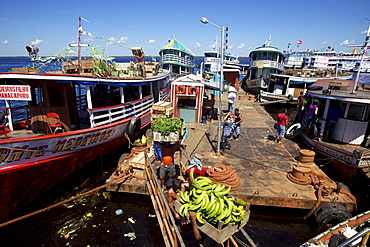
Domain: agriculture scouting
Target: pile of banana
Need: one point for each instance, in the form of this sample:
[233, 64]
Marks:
[211, 202]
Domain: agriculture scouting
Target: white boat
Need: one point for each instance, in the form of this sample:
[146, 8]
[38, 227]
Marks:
[290, 83]
[89, 109]
[352, 232]
[176, 58]
[264, 60]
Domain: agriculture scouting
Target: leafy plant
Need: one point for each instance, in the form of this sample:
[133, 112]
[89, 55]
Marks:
[166, 125]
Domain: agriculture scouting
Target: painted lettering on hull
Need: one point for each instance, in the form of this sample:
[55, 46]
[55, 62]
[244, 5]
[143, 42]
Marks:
[14, 154]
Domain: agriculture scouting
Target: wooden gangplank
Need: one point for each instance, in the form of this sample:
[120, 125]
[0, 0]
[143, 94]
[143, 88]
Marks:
[170, 232]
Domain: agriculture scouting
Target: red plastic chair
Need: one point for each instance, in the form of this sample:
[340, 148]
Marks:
[53, 121]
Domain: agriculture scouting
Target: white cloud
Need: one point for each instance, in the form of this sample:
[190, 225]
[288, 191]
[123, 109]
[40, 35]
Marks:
[230, 47]
[111, 40]
[323, 43]
[151, 41]
[249, 48]
[6, 42]
[197, 45]
[347, 42]
[37, 42]
[88, 40]
[122, 40]
[240, 46]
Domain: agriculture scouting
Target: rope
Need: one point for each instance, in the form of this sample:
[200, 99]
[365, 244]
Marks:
[222, 174]
[322, 189]
[61, 203]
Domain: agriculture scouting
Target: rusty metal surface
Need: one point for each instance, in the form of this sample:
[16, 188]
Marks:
[262, 164]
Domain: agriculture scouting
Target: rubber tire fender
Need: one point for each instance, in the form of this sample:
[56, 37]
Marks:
[331, 214]
[3, 119]
[293, 131]
[133, 127]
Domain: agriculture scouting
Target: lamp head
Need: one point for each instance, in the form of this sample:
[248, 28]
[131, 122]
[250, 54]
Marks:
[204, 20]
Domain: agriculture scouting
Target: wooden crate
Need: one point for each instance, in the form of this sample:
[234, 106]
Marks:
[161, 106]
[24, 70]
[219, 234]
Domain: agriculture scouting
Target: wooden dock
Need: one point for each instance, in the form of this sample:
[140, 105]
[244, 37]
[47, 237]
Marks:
[262, 164]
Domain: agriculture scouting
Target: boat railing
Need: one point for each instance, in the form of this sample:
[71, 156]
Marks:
[164, 95]
[107, 115]
[267, 63]
[363, 235]
[177, 59]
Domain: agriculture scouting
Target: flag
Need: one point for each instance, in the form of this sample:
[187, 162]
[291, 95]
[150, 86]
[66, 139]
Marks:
[289, 44]
[299, 42]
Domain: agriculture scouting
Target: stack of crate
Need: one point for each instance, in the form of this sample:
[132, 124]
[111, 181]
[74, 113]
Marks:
[151, 68]
[162, 109]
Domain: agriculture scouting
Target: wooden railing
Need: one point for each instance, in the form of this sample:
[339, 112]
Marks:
[107, 115]
[171, 234]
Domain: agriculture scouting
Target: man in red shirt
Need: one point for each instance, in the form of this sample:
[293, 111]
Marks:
[282, 120]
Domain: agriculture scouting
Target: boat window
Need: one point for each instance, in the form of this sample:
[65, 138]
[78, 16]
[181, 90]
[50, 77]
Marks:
[186, 102]
[343, 107]
[355, 112]
[37, 96]
[55, 96]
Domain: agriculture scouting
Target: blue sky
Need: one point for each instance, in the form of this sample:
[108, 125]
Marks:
[52, 25]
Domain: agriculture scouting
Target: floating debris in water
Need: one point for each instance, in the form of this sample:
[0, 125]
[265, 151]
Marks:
[152, 215]
[131, 220]
[119, 211]
[130, 235]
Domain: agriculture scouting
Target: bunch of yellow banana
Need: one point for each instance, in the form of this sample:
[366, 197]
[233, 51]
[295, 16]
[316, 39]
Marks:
[211, 202]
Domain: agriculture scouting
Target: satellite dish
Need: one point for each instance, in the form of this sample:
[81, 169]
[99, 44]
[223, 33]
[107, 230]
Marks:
[32, 51]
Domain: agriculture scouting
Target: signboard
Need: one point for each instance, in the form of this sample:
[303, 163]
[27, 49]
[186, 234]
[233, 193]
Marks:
[15, 92]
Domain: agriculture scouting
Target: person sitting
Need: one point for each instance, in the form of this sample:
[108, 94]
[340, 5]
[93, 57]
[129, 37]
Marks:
[196, 163]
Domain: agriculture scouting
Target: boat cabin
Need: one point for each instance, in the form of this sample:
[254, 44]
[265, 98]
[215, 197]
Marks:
[187, 98]
[344, 109]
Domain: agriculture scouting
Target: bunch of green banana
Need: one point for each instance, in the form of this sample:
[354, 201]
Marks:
[211, 202]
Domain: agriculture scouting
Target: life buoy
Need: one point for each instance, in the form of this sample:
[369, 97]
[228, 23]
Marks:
[331, 214]
[193, 91]
[293, 131]
[180, 89]
[133, 127]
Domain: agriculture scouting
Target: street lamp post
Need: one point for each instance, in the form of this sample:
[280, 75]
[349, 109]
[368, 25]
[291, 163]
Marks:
[205, 21]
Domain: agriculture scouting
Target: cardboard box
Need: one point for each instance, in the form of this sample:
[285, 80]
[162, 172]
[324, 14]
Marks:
[172, 137]
[135, 50]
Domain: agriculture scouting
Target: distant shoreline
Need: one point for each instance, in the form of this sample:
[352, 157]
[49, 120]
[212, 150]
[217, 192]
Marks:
[109, 56]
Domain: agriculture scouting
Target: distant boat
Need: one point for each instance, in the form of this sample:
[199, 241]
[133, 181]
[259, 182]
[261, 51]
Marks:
[90, 108]
[264, 60]
[176, 58]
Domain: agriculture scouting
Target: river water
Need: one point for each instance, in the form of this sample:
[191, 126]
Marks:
[92, 221]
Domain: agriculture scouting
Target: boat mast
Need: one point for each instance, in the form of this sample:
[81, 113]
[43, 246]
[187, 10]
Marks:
[364, 47]
[80, 31]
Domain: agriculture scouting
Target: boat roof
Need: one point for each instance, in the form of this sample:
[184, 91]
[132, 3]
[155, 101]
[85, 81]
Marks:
[342, 90]
[86, 80]
[267, 49]
[175, 44]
